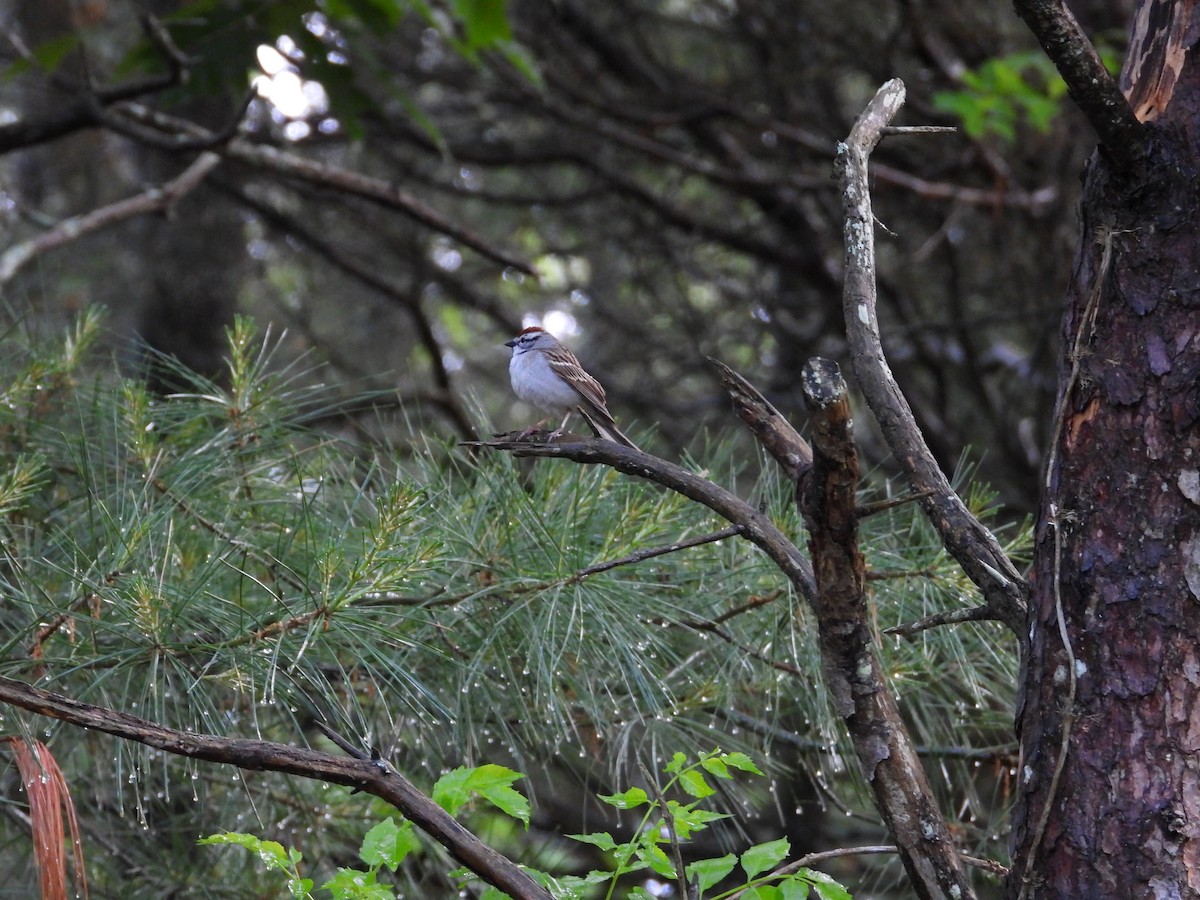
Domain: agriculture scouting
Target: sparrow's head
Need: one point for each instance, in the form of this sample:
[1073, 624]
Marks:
[533, 338]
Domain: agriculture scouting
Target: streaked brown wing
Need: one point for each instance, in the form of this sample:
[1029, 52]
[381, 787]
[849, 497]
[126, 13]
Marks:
[566, 366]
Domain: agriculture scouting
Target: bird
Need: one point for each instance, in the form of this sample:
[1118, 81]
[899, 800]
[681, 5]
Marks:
[547, 375]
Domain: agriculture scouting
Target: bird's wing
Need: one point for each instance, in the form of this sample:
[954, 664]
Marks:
[566, 366]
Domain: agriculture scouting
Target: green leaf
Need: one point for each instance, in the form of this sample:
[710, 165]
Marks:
[271, 853]
[762, 857]
[675, 766]
[826, 887]
[601, 839]
[695, 784]
[48, 55]
[714, 765]
[351, 884]
[388, 843]
[761, 892]
[707, 872]
[485, 22]
[687, 819]
[454, 789]
[656, 858]
[793, 888]
[630, 799]
[741, 762]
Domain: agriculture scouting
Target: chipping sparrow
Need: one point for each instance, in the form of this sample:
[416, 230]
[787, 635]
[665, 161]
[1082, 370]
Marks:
[547, 375]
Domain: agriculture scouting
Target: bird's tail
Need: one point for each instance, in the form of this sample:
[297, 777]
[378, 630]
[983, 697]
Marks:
[601, 422]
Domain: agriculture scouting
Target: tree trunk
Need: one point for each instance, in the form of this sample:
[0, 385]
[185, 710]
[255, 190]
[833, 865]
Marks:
[1109, 783]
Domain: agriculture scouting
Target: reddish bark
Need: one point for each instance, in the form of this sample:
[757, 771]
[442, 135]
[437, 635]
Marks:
[1109, 802]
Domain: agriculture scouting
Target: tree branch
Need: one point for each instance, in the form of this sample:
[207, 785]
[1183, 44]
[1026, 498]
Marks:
[965, 538]
[752, 524]
[156, 200]
[773, 431]
[284, 163]
[1095, 92]
[373, 776]
[853, 674]
[650, 552]
[949, 617]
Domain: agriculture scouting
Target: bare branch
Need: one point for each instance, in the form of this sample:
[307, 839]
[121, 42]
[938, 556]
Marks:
[156, 200]
[752, 524]
[1095, 92]
[967, 540]
[773, 431]
[853, 674]
[446, 398]
[86, 105]
[373, 776]
[950, 617]
[651, 552]
[291, 165]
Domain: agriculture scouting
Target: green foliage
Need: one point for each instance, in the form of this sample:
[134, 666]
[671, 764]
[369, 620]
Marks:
[207, 561]
[1004, 93]
[492, 782]
[220, 39]
[668, 821]
[387, 844]
[272, 855]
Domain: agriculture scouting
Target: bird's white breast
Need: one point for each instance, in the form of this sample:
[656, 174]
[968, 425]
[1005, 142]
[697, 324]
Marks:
[536, 383]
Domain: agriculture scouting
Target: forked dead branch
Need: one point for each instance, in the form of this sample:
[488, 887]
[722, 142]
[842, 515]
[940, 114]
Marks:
[826, 479]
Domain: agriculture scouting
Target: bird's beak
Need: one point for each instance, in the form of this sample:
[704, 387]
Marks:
[511, 343]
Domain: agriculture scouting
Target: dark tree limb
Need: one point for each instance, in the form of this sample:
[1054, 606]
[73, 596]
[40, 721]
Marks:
[773, 431]
[752, 524]
[172, 133]
[853, 674]
[373, 776]
[964, 536]
[1094, 90]
[84, 106]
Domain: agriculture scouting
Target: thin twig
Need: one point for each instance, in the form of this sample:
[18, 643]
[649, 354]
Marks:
[642, 555]
[919, 129]
[672, 837]
[292, 165]
[892, 574]
[723, 634]
[345, 744]
[878, 506]
[982, 613]
[754, 602]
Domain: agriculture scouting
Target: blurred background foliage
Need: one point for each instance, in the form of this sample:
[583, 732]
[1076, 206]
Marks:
[243, 527]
